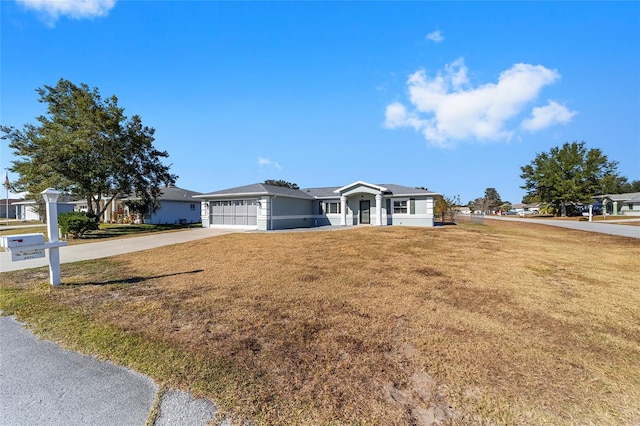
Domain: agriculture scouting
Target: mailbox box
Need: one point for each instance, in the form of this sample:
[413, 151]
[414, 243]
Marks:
[22, 241]
[24, 247]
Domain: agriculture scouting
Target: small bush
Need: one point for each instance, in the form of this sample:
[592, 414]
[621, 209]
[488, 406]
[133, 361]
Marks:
[76, 223]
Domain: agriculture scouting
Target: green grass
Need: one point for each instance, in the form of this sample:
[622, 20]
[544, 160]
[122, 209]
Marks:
[108, 230]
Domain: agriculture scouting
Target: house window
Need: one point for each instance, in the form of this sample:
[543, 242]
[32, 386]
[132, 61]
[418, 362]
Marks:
[332, 208]
[399, 206]
[412, 206]
[192, 206]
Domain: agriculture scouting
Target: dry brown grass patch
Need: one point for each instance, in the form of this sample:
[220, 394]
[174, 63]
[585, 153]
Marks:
[508, 323]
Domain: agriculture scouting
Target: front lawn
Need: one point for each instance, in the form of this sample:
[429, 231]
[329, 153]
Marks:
[508, 323]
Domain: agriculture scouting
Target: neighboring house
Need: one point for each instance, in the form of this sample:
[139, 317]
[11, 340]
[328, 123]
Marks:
[177, 205]
[110, 215]
[627, 204]
[26, 210]
[10, 212]
[523, 209]
[267, 207]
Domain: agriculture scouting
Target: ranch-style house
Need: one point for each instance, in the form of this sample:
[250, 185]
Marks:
[266, 207]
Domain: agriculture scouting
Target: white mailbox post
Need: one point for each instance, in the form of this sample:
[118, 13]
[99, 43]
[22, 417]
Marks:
[51, 200]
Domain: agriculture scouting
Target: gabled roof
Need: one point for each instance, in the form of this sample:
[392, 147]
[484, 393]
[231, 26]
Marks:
[399, 190]
[327, 192]
[173, 193]
[387, 189]
[525, 206]
[361, 183]
[170, 193]
[629, 196]
[255, 190]
[330, 192]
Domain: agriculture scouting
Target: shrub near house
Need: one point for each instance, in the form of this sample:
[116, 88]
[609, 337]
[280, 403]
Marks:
[76, 223]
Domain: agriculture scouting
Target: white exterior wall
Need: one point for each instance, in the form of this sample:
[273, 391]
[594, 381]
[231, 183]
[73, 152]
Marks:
[25, 212]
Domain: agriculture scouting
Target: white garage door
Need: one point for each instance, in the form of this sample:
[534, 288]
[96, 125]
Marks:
[234, 212]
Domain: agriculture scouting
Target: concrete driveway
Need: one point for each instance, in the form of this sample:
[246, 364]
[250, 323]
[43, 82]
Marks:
[113, 247]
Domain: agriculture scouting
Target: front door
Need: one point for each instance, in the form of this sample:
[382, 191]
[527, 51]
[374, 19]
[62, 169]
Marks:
[365, 217]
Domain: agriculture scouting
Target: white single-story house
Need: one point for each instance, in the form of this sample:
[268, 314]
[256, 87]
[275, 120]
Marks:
[27, 210]
[627, 204]
[523, 209]
[268, 207]
[176, 206]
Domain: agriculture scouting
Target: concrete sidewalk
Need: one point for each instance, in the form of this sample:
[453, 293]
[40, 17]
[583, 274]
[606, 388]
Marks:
[113, 247]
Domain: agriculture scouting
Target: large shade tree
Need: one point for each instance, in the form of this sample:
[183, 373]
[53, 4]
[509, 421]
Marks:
[568, 175]
[86, 146]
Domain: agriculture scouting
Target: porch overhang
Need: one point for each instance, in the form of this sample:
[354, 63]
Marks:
[360, 187]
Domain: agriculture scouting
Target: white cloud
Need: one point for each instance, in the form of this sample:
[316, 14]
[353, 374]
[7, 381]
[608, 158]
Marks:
[265, 162]
[76, 9]
[447, 108]
[435, 36]
[546, 116]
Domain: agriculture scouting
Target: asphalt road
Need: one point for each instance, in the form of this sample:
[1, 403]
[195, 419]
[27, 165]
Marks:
[42, 384]
[598, 227]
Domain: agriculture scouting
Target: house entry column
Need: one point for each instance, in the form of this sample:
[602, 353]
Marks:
[343, 210]
[379, 210]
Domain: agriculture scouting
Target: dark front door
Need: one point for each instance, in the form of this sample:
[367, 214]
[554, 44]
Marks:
[365, 217]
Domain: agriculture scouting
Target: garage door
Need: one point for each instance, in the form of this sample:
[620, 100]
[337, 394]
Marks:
[234, 212]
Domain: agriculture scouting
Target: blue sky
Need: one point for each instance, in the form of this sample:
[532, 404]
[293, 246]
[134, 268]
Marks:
[452, 96]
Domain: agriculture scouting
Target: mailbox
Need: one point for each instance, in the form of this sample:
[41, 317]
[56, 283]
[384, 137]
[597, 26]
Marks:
[22, 241]
[24, 247]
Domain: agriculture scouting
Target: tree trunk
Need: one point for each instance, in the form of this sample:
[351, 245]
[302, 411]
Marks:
[90, 209]
[563, 209]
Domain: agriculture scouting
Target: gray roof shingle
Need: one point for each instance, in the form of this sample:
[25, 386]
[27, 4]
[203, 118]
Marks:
[257, 189]
[173, 193]
[397, 190]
